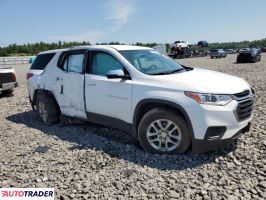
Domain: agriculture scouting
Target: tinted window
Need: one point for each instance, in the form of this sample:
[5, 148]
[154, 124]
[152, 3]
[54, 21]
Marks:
[74, 63]
[42, 60]
[102, 62]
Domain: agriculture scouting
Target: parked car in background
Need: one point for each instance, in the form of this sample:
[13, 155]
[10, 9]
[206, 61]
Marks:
[172, 54]
[249, 55]
[263, 49]
[218, 53]
[230, 51]
[8, 80]
[167, 107]
[243, 49]
[32, 58]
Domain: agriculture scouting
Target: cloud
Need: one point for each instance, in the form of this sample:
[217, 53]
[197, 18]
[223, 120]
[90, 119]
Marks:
[118, 12]
[91, 36]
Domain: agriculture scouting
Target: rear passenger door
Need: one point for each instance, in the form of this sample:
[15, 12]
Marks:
[70, 80]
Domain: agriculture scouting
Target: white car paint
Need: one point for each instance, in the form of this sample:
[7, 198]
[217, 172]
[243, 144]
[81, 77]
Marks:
[118, 98]
[182, 44]
[9, 85]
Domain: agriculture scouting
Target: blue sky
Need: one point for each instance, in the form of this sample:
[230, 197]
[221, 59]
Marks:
[130, 21]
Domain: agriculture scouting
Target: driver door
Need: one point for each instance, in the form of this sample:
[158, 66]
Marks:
[106, 97]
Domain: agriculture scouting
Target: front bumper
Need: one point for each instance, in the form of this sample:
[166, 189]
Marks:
[199, 146]
[8, 86]
[217, 126]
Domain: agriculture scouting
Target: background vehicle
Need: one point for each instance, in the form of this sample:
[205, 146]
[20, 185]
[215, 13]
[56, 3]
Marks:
[172, 54]
[164, 105]
[249, 55]
[181, 44]
[203, 43]
[32, 58]
[217, 53]
[7, 80]
[244, 49]
[263, 49]
[230, 51]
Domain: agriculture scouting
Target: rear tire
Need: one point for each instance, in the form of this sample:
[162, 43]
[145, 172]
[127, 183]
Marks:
[47, 109]
[162, 131]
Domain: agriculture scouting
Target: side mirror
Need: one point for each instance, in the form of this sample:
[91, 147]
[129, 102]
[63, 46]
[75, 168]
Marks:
[117, 73]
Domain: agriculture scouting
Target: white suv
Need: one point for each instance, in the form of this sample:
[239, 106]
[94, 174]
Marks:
[180, 44]
[164, 105]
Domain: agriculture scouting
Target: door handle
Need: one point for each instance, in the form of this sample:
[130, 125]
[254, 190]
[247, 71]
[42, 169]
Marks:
[91, 83]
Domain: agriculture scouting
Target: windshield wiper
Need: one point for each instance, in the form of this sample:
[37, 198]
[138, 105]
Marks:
[168, 72]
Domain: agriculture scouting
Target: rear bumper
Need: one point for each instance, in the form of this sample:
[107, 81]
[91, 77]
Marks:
[8, 86]
[199, 146]
[246, 59]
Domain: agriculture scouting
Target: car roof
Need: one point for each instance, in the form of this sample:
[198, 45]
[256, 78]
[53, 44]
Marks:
[100, 47]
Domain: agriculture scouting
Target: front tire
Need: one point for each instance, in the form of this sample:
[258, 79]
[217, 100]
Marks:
[162, 131]
[47, 109]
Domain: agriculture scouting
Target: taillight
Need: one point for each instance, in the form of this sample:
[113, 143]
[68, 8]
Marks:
[29, 75]
[14, 76]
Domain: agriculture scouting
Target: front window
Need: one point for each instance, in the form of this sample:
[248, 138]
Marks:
[102, 63]
[151, 62]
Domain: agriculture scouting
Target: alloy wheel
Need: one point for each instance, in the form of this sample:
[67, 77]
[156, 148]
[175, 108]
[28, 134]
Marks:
[163, 135]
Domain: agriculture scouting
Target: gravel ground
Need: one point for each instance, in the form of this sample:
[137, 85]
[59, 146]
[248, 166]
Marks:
[83, 161]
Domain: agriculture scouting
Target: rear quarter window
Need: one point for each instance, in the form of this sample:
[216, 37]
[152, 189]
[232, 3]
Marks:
[42, 60]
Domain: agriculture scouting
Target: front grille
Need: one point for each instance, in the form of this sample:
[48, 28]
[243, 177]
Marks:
[6, 78]
[242, 94]
[245, 105]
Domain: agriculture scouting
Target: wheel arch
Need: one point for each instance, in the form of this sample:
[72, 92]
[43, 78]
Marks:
[47, 92]
[147, 104]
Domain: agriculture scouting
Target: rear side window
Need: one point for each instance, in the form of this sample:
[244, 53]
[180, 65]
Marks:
[42, 60]
[74, 63]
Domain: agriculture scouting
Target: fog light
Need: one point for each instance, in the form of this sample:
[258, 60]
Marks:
[215, 133]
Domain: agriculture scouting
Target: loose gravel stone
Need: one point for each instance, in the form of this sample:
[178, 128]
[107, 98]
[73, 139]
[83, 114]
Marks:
[86, 161]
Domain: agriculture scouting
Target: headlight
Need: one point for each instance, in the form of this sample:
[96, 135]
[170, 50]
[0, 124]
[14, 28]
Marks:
[210, 99]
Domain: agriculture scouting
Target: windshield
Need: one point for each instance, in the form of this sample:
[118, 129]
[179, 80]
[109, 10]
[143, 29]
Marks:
[151, 62]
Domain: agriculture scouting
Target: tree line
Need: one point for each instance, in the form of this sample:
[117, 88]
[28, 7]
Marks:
[33, 49]
[236, 45]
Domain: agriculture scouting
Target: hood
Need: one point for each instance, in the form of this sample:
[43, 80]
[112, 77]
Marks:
[206, 81]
